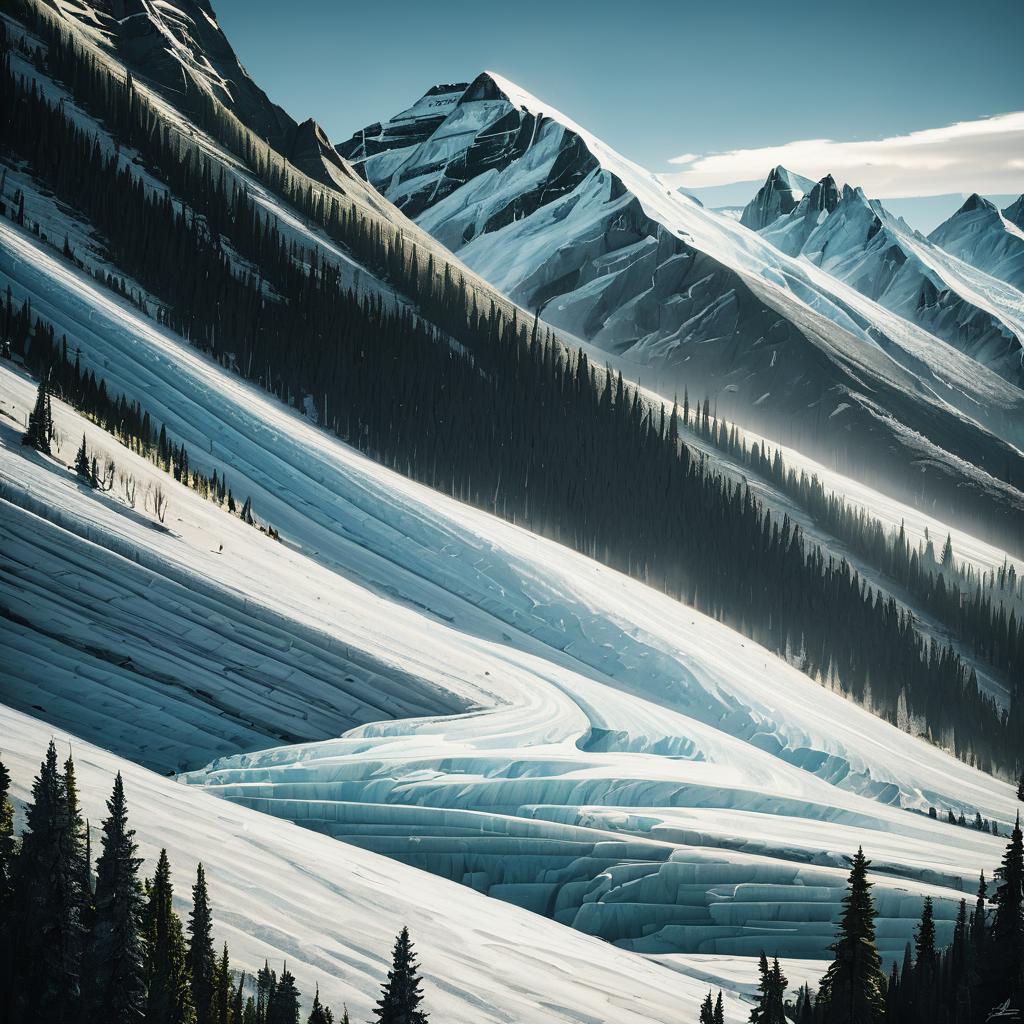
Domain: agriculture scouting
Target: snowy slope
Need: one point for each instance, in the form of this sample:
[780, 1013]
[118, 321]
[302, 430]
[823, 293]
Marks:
[558, 221]
[625, 764]
[332, 911]
[981, 234]
[859, 242]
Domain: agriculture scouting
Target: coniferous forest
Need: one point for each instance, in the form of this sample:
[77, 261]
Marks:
[483, 406]
[97, 941]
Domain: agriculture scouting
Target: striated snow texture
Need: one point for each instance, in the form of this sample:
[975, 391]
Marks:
[587, 747]
[331, 911]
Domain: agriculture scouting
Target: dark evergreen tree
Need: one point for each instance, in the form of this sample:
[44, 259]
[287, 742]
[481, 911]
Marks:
[707, 1010]
[266, 986]
[223, 988]
[202, 961]
[1003, 966]
[776, 1008]
[926, 965]
[760, 1012]
[169, 999]
[238, 1001]
[400, 995]
[719, 1009]
[1020, 787]
[48, 934]
[852, 991]
[283, 1007]
[804, 1010]
[319, 1014]
[40, 420]
[82, 465]
[115, 968]
[80, 845]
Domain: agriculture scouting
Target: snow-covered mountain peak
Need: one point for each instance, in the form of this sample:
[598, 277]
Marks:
[1014, 213]
[781, 194]
[987, 238]
[857, 240]
[976, 202]
[610, 253]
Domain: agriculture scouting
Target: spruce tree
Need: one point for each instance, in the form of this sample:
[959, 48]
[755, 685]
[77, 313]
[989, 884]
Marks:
[777, 1002]
[400, 995]
[40, 420]
[201, 958]
[283, 1007]
[79, 845]
[169, 999]
[852, 990]
[238, 1001]
[707, 1011]
[979, 920]
[319, 1014]
[223, 989]
[1003, 966]
[48, 934]
[266, 986]
[804, 1006]
[925, 965]
[82, 467]
[759, 1013]
[116, 983]
[719, 1017]
[1020, 787]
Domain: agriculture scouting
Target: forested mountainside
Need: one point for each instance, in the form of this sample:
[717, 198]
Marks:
[568, 676]
[507, 419]
[687, 298]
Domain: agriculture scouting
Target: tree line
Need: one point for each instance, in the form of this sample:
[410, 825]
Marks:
[981, 609]
[128, 422]
[105, 946]
[977, 979]
[483, 406]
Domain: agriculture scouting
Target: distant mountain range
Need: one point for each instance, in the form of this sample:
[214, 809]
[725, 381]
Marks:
[943, 283]
[608, 253]
[923, 213]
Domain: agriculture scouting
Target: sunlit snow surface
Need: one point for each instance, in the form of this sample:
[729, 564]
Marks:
[332, 911]
[587, 747]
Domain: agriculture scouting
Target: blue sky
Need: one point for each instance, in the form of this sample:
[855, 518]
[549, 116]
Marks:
[656, 80]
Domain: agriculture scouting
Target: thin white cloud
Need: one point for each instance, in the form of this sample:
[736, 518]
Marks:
[971, 156]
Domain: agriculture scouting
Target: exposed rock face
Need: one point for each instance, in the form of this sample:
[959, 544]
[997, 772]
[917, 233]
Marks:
[559, 222]
[162, 42]
[779, 195]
